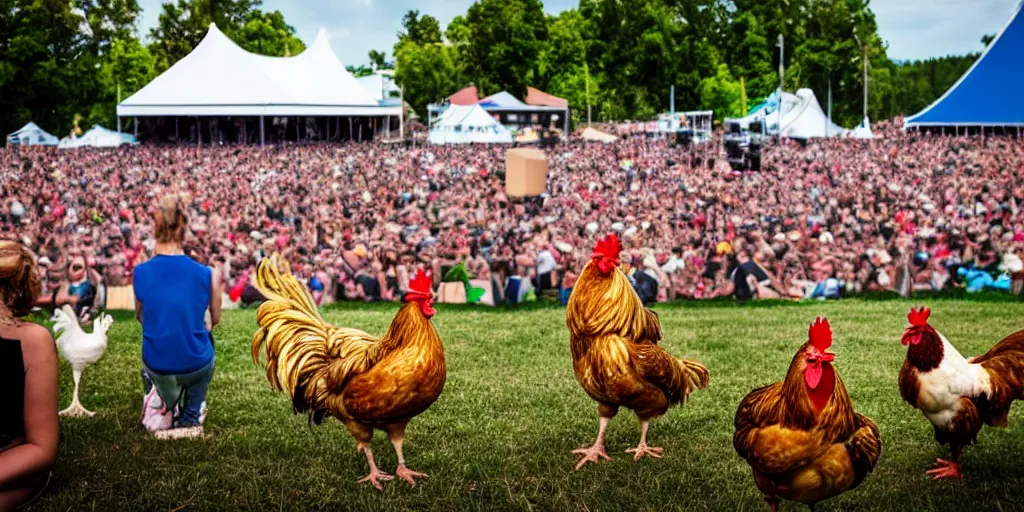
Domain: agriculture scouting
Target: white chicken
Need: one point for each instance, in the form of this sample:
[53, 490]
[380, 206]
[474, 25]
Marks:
[79, 348]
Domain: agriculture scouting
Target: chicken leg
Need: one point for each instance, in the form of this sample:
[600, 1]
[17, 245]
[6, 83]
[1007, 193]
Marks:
[596, 452]
[642, 448]
[376, 476]
[76, 410]
[397, 434]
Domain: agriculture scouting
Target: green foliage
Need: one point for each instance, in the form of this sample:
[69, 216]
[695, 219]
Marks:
[508, 37]
[183, 25]
[379, 60]
[427, 72]
[722, 93]
[266, 33]
[419, 29]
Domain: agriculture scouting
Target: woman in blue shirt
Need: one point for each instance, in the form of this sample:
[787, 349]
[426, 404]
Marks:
[172, 296]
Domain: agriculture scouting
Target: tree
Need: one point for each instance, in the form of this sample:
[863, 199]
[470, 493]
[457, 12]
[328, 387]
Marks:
[722, 93]
[128, 66]
[379, 60]
[987, 39]
[359, 71]
[458, 31]
[266, 33]
[508, 37]
[419, 29]
[427, 72]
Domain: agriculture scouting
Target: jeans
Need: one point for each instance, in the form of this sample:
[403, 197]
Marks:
[186, 389]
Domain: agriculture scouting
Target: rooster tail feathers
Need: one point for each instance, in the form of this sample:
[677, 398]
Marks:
[695, 376]
[305, 356]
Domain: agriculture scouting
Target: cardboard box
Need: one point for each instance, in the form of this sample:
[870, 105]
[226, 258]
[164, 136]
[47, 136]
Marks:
[526, 172]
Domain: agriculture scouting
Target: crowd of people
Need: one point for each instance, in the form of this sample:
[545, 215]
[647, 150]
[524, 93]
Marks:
[823, 219]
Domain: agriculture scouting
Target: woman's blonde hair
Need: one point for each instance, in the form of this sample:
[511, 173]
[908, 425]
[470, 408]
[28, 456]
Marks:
[171, 219]
[19, 278]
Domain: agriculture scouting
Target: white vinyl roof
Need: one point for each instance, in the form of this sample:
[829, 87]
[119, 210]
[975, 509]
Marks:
[807, 120]
[219, 78]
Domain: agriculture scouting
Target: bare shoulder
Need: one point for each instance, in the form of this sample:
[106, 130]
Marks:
[36, 343]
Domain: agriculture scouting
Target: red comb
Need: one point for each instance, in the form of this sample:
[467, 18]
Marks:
[820, 334]
[422, 283]
[608, 247]
[919, 316]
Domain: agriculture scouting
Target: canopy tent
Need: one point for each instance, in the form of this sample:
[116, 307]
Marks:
[468, 96]
[768, 111]
[32, 135]
[97, 137]
[988, 94]
[863, 130]
[807, 120]
[464, 124]
[591, 134]
[219, 78]
[539, 98]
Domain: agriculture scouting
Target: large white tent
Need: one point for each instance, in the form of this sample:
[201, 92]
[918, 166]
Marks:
[97, 137]
[806, 120]
[31, 135]
[219, 78]
[464, 124]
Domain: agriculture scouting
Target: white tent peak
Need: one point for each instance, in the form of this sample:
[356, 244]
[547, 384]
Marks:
[220, 78]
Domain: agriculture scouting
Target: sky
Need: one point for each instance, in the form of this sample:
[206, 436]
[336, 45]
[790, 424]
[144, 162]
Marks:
[914, 29]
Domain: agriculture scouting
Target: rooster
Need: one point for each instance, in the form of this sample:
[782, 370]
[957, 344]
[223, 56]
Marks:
[800, 436]
[615, 352]
[79, 348]
[367, 383]
[958, 395]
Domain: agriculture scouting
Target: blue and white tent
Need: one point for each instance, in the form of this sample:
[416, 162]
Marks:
[32, 135]
[988, 95]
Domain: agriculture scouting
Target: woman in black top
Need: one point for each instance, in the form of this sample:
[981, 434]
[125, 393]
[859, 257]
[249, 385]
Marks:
[28, 383]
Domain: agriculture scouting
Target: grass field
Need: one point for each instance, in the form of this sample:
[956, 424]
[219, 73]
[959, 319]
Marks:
[500, 436]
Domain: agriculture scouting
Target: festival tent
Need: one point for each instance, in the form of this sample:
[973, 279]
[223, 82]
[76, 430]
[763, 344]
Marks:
[97, 137]
[32, 135]
[863, 130]
[380, 86]
[464, 124]
[539, 98]
[590, 134]
[768, 111]
[807, 120]
[219, 78]
[467, 96]
[988, 94]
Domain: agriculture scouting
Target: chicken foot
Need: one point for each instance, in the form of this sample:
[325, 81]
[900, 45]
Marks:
[403, 471]
[948, 468]
[76, 409]
[596, 452]
[642, 448]
[376, 475]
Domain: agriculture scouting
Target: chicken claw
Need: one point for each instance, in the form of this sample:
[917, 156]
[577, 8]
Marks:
[642, 449]
[375, 477]
[75, 410]
[408, 475]
[946, 469]
[593, 454]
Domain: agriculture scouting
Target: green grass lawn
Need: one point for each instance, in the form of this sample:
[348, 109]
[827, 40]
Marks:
[500, 436]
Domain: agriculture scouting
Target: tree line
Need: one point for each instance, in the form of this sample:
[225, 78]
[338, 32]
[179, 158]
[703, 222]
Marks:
[61, 60]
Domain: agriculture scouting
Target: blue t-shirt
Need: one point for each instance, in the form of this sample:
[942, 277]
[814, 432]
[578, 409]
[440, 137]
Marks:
[175, 294]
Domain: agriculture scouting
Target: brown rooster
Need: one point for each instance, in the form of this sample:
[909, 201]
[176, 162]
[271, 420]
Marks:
[801, 436]
[959, 395]
[367, 383]
[615, 352]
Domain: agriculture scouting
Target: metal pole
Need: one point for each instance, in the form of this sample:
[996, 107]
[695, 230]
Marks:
[828, 125]
[135, 121]
[865, 82]
[115, 108]
[262, 136]
[672, 100]
[782, 82]
[177, 138]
